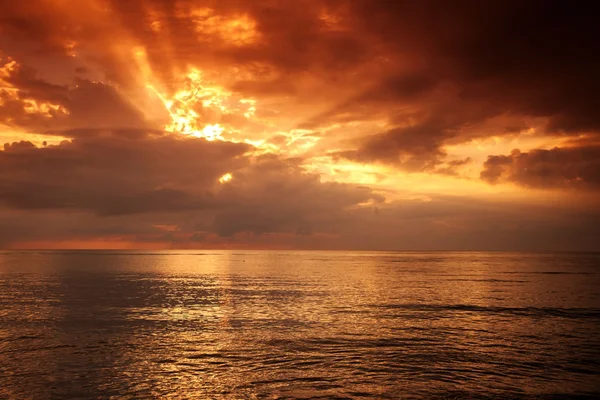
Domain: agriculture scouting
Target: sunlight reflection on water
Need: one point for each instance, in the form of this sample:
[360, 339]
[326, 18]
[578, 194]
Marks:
[298, 324]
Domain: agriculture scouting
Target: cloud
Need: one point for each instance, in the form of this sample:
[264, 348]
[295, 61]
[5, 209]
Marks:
[569, 167]
[541, 66]
[124, 173]
[273, 196]
[517, 61]
[114, 173]
[37, 105]
[284, 88]
[440, 222]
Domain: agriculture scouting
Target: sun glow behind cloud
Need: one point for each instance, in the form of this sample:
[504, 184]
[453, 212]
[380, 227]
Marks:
[289, 100]
[196, 108]
[30, 106]
[200, 107]
[225, 178]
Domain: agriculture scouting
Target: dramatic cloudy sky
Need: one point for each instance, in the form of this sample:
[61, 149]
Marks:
[342, 124]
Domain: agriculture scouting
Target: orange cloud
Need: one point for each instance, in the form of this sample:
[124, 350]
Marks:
[276, 122]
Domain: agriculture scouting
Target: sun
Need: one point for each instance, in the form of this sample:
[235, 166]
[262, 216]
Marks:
[196, 109]
[226, 178]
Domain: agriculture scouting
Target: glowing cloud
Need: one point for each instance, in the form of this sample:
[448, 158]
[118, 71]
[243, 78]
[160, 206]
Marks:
[197, 107]
[334, 118]
[28, 105]
[237, 30]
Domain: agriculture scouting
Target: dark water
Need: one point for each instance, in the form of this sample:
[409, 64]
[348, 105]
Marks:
[299, 325]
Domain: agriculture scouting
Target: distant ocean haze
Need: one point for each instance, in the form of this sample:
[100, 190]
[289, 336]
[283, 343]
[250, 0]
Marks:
[299, 324]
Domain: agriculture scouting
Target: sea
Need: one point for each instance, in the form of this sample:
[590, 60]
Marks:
[299, 325]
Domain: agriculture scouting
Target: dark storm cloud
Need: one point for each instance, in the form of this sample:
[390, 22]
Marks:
[81, 104]
[116, 173]
[476, 61]
[532, 57]
[275, 196]
[525, 59]
[123, 173]
[570, 167]
[418, 146]
[414, 148]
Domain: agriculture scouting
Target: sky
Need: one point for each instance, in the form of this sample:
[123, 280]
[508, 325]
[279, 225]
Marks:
[305, 124]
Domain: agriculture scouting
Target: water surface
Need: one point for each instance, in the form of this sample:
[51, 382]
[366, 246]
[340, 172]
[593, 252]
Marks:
[239, 324]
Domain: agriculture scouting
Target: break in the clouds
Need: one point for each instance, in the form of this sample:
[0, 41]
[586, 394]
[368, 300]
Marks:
[310, 123]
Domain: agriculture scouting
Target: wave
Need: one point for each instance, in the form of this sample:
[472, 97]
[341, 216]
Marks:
[522, 311]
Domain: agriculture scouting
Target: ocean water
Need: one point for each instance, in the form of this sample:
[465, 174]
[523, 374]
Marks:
[242, 324]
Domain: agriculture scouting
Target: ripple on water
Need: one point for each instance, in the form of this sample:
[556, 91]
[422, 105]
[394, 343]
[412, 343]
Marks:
[298, 325]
